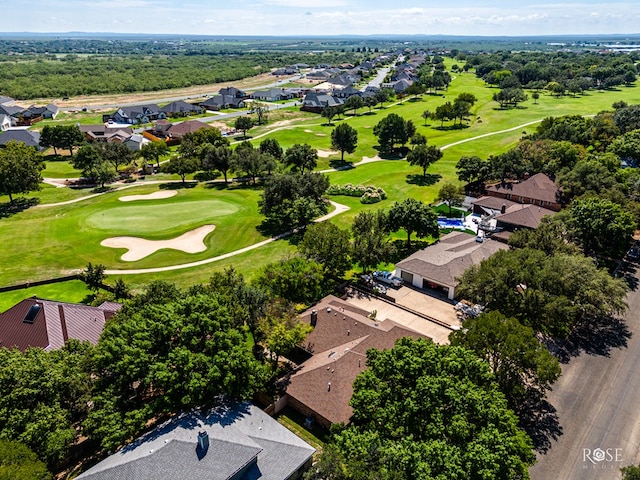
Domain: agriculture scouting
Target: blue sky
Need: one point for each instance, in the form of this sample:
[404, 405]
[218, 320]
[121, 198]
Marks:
[318, 17]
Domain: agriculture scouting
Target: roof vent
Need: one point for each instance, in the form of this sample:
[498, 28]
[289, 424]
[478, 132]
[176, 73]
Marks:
[203, 441]
[32, 313]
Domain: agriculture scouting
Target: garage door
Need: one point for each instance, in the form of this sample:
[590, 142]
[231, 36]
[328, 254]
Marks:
[407, 277]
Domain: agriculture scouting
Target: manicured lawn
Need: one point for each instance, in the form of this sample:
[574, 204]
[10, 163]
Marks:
[51, 241]
[60, 169]
[74, 291]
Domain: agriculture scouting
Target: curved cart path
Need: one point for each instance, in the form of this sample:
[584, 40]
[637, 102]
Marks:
[339, 208]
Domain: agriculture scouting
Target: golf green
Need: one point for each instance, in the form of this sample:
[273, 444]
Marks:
[142, 218]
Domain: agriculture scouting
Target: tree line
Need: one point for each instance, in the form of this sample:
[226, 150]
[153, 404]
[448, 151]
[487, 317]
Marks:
[50, 77]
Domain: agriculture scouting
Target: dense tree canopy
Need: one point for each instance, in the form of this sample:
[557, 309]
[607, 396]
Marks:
[412, 215]
[390, 131]
[428, 411]
[18, 462]
[549, 293]
[371, 239]
[20, 169]
[301, 157]
[294, 199]
[328, 245]
[165, 357]
[43, 395]
[296, 279]
[522, 366]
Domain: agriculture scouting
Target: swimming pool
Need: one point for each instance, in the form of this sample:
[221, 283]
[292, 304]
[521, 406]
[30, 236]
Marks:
[444, 222]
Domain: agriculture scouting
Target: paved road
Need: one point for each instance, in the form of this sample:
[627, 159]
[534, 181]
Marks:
[598, 404]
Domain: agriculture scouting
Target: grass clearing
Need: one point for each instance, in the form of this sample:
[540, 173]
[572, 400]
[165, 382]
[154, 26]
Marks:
[73, 291]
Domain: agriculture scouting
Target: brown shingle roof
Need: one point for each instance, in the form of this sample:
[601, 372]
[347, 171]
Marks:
[190, 126]
[524, 215]
[539, 187]
[494, 203]
[339, 341]
[54, 324]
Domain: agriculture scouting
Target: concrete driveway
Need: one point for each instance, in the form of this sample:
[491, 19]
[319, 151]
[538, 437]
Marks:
[438, 333]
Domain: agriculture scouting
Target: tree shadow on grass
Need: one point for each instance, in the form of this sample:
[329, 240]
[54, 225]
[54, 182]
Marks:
[446, 128]
[341, 165]
[423, 180]
[177, 185]
[596, 336]
[9, 209]
[401, 251]
[206, 176]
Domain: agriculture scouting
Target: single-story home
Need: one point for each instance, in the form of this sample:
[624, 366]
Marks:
[232, 442]
[538, 189]
[272, 95]
[519, 216]
[322, 386]
[182, 109]
[348, 92]
[28, 137]
[138, 114]
[233, 92]
[105, 133]
[48, 324]
[48, 111]
[315, 102]
[441, 264]
[220, 102]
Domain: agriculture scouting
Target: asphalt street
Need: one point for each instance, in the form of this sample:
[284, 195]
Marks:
[598, 405]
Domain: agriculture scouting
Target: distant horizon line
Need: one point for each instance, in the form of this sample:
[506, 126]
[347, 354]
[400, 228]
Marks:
[341, 35]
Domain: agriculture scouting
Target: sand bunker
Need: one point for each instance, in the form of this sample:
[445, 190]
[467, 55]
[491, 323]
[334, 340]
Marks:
[160, 194]
[308, 131]
[321, 134]
[327, 153]
[138, 248]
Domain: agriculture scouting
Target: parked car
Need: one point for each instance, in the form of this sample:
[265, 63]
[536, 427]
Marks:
[388, 278]
[634, 253]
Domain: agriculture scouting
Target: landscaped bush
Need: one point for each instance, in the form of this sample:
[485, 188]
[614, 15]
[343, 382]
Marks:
[367, 193]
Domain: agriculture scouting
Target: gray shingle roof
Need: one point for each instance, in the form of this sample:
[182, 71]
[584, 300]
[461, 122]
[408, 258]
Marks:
[28, 137]
[238, 434]
[446, 260]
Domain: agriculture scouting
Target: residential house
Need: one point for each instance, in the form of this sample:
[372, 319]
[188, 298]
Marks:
[316, 102]
[105, 133]
[233, 92]
[538, 189]
[440, 265]
[6, 100]
[220, 102]
[231, 442]
[180, 108]
[321, 75]
[138, 114]
[272, 95]
[48, 111]
[48, 324]
[348, 92]
[135, 142]
[172, 133]
[5, 122]
[322, 386]
[28, 137]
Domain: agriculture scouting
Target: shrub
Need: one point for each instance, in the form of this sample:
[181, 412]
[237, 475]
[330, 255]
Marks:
[367, 193]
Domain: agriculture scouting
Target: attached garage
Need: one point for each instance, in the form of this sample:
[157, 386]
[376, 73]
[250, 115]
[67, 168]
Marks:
[441, 264]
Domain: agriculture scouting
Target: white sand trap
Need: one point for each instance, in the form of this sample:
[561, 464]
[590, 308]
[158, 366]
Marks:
[308, 131]
[159, 195]
[138, 248]
[321, 134]
[327, 153]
